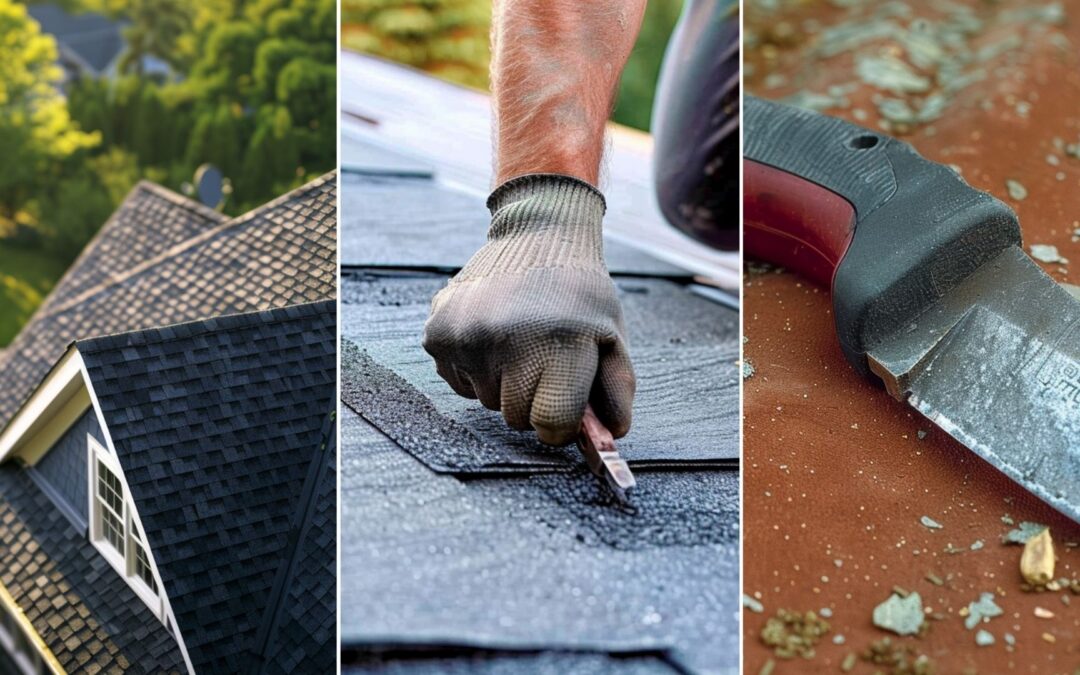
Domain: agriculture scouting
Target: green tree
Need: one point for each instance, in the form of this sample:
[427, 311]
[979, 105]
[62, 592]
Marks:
[36, 133]
[448, 38]
[155, 29]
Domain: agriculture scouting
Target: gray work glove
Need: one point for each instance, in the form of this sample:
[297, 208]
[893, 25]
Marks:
[531, 325]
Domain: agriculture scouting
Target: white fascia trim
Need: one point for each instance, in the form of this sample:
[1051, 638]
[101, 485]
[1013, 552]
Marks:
[111, 451]
[58, 381]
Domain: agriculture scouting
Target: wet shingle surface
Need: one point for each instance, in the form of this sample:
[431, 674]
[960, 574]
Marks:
[541, 563]
[684, 350]
[132, 277]
[217, 425]
[88, 616]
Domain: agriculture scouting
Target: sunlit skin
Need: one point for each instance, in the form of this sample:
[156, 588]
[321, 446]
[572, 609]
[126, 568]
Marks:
[555, 72]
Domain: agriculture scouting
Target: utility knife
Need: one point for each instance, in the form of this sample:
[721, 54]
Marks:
[598, 447]
[932, 292]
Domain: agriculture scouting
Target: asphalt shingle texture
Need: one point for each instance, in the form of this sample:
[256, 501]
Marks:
[543, 562]
[197, 266]
[216, 424]
[87, 615]
[684, 350]
[306, 636]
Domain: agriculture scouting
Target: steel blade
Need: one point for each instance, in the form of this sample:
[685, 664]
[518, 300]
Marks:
[996, 364]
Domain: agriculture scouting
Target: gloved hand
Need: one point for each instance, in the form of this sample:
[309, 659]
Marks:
[531, 325]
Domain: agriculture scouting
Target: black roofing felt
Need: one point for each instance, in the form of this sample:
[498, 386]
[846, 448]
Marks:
[420, 223]
[283, 253]
[217, 425]
[507, 663]
[88, 616]
[545, 563]
[684, 350]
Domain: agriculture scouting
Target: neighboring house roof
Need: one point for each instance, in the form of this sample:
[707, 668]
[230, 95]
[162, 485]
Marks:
[88, 616]
[92, 40]
[199, 265]
[220, 427]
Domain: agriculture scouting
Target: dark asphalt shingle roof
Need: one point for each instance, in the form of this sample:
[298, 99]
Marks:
[544, 562]
[87, 615]
[469, 547]
[198, 265]
[217, 425]
[684, 349]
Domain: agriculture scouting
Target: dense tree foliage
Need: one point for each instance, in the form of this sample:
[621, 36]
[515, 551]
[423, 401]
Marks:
[254, 94]
[251, 88]
[37, 136]
[449, 38]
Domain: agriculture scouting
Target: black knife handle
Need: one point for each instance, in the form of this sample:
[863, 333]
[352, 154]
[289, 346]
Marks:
[916, 231]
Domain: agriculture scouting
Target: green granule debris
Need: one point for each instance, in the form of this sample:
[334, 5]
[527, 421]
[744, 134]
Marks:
[901, 615]
[747, 369]
[752, 604]
[791, 634]
[930, 523]
[934, 579]
[768, 668]
[1047, 253]
[849, 662]
[899, 659]
[984, 607]
[1026, 531]
[1016, 190]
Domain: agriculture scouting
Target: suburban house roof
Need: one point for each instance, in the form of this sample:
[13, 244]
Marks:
[198, 265]
[221, 428]
[87, 615]
[213, 378]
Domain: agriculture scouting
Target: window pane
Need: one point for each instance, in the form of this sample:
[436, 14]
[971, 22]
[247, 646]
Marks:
[112, 529]
[142, 566]
[109, 489]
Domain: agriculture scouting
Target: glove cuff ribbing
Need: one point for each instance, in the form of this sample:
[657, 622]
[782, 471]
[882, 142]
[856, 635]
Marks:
[555, 186]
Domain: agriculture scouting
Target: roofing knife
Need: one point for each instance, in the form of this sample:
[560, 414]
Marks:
[932, 291]
[598, 446]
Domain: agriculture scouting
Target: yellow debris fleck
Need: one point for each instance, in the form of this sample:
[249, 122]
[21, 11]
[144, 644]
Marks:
[1037, 561]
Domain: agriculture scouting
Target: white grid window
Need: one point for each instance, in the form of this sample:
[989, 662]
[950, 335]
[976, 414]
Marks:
[110, 495]
[113, 529]
[141, 561]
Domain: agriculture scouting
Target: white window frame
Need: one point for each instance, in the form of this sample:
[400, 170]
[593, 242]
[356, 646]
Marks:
[123, 562]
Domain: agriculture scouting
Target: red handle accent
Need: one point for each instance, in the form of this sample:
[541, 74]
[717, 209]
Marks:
[792, 222]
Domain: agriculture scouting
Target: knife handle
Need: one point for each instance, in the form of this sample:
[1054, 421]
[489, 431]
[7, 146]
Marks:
[888, 230]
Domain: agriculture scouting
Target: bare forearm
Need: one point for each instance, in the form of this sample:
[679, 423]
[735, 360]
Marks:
[556, 69]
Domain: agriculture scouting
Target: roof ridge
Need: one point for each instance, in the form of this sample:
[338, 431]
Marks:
[211, 324]
[180, 200]
[202, 237]
[142, 185]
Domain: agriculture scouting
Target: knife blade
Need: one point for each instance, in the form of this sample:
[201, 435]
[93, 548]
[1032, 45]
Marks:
[598, 446]
[932, 291]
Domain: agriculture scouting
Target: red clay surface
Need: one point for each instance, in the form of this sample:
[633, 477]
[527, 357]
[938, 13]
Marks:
[836, 476]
